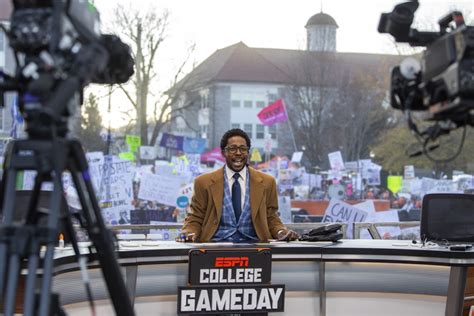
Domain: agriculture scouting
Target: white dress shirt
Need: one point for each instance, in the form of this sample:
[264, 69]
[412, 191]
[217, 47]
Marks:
[242, 180]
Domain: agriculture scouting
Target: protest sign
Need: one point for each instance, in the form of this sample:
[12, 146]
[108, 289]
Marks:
[172, 141]
[338, 211]
[161, 188]
[163, 167]
[194, 145]
[130, 156]
[95, 157]
[373, 174]
[284, 208]
[409, 172]
[311, 180]
[301, 192]
[296, 157]
[147, 152]
[438, 186]
[394, 183]
[335, 160]
[351, 166]
[116, 191]
[28, 181]
[133, 142]
[256, 157]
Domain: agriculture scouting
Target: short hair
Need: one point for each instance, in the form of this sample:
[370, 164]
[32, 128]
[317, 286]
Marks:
[234, 132]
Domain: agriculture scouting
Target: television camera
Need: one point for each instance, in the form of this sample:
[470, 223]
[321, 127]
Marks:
[441, 85]
[58, 50]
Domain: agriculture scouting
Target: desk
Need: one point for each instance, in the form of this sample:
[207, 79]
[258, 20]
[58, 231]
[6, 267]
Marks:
[314, 274]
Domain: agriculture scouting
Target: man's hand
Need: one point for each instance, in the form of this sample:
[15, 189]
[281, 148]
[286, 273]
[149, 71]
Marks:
[287, 235]
[186, 237]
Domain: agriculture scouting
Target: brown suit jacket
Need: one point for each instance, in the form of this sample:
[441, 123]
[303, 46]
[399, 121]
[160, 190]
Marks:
[206, 205]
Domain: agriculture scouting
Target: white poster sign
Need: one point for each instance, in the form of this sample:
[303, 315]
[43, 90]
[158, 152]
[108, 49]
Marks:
[284, 208]
[161, 188]
[365, 165]
[29, 181]
[438, 186]
[338, 211]
[297, 155]
[116, 195]
[335, 160]
[409, 172]
[373, 174]
[147, 152]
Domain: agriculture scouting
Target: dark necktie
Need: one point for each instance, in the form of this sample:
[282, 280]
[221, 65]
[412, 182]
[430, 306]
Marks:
[236, 197]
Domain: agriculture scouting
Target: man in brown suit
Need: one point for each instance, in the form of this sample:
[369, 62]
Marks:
[235, 203]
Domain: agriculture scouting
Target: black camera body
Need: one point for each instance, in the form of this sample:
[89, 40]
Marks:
[442, 83]
[59, 49]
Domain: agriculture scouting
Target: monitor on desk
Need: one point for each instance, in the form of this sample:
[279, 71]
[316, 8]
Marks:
[447, 217]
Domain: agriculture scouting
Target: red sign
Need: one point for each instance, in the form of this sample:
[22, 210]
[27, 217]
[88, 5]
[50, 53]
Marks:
[226, 262]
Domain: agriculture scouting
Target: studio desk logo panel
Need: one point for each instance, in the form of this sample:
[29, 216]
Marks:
[230, 281]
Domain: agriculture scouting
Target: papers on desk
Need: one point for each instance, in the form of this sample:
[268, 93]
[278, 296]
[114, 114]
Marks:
[215, 244]
[136, 244]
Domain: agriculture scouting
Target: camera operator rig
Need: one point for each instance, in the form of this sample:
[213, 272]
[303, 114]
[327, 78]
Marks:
[441, 84]
[58, 50]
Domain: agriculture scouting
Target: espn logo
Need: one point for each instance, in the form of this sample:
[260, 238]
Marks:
[228, 262]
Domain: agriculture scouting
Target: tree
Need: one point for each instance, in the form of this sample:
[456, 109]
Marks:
[145, 31]
[358, 115]
[334, 105]
[308, 103]
[91, 125]
[393, 148]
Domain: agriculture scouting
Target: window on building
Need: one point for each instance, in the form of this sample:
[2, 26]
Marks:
[260, 132]
[236, 103]
[235, 125]
[247, 104]
[248, 129]
[272, 130]
[260, 104]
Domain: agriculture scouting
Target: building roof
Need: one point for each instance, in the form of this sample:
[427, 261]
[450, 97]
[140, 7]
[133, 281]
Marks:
[321, 19]
[240, 63]
[5, 10]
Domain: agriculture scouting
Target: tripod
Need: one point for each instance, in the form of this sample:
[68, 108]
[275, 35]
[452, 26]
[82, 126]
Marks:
[24, 240]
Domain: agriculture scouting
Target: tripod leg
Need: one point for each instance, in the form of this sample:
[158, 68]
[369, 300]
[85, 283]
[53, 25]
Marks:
[53, 221]
[30, 286]
[8, 192]
[33, 258]
[99, 234]
[14, 271]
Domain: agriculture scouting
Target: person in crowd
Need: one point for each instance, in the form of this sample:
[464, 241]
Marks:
[234, 203]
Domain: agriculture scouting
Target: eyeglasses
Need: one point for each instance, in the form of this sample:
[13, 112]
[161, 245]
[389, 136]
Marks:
[233, 149]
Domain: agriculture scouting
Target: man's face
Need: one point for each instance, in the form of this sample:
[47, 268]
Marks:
[236, 153]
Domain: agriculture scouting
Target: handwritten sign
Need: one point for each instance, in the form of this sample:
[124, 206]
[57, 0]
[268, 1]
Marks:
[133, 142]
[338, 211]
[335, 160]
[161, 188]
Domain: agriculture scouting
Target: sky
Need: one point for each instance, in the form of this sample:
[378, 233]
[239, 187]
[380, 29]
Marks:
[215, 24]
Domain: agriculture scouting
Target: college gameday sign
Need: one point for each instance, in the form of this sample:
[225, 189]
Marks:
[230, 281]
